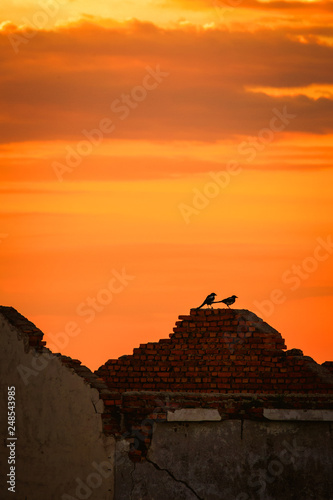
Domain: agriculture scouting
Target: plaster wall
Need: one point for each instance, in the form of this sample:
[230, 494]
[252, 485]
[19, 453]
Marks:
[231, 460]
[61, 452]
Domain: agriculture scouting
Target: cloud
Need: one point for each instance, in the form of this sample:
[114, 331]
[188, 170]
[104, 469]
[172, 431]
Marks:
[314, 291]
[295, 6]
[66, 80]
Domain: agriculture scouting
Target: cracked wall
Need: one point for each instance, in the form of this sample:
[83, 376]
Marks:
[81, 437]
[230, 460]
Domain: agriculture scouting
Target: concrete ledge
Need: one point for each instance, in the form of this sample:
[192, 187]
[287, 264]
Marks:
[193, 415]
[306, 415]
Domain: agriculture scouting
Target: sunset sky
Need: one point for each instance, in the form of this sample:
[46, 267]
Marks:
[153, 152]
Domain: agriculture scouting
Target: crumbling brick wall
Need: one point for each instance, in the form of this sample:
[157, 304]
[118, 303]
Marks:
[221, 350]
[221, 373]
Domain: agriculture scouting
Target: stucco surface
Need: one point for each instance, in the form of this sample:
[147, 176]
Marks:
[60, 446]
[232, 460]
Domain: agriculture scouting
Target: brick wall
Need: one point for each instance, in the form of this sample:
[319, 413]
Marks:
[328, 365]
[32, 338]
[27, 331]
[229, 360]
[220, 350]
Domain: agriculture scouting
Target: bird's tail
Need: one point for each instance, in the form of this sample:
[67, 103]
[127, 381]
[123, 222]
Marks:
[204, 302]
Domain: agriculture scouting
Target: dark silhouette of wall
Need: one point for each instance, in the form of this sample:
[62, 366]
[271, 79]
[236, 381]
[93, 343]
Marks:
[220, 410]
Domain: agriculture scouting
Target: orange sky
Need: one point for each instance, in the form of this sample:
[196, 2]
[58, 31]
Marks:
[154, 152]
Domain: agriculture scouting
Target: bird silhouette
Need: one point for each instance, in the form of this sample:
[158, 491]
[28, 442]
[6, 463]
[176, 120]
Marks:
[229, 300]
[208, 301]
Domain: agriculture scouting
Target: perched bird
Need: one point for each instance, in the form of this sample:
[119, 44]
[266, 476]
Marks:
[208, 300]
[229, 300]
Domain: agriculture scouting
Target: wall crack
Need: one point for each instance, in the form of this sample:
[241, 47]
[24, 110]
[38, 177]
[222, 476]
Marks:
[132, 480]
[174, 478]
